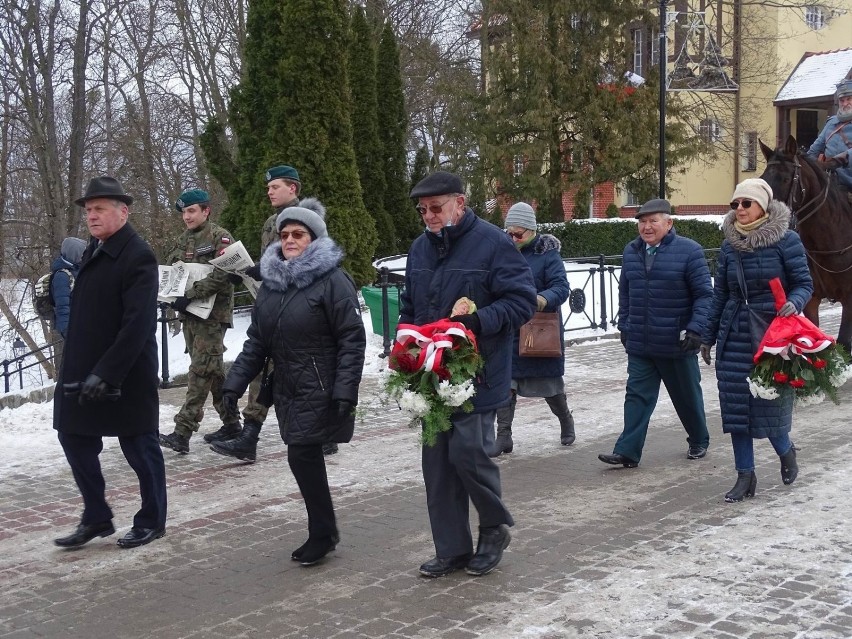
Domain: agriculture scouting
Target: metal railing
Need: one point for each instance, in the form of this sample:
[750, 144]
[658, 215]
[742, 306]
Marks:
[16, 366]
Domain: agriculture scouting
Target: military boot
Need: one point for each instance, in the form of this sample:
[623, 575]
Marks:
[243, 447]
[329, 448]
[177, 442]
[225, 432]
[505, 417]
[559, 406]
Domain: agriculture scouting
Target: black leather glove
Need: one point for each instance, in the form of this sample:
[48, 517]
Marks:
[229, 400]
[234, 278]
[471, 322]
[94, 390]
[342, 409]
[705, 353]
[623, 337]
[180, 304]
[254, 273]
[691, 342]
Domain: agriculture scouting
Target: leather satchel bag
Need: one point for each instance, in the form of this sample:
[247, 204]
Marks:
[540, 337]
[264, 394]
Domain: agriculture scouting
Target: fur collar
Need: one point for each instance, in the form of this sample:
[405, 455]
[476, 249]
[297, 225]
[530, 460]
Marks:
[768, 234]
[321, 257]
[547, 243]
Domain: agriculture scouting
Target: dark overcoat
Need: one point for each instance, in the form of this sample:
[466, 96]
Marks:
[767, 252]
[111, 334]
[472, 259]
[307, 319]
[548, 271]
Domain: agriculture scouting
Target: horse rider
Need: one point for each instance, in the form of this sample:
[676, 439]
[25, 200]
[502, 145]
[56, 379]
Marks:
[833, 145]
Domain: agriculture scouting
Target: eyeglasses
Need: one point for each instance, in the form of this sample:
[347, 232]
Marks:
[434, 209]
[518, 235]
[745, 203]
[297, 235]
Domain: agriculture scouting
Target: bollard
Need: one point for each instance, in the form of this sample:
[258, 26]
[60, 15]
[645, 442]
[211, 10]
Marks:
[164, 345]
[383, 284]
[602, 271]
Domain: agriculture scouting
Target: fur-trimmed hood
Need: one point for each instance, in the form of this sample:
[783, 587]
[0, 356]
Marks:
[546, 243]
[319, 258]
[767, 234]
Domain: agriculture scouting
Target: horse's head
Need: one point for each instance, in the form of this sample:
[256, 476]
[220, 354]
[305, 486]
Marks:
[782, 170]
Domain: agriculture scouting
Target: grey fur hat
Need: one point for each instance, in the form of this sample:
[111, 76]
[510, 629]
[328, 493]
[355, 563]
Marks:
[310, 213]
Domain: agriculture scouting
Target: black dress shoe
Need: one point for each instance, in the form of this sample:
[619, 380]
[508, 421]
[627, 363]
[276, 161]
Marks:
[696, 452]
[615, 459]
[316, 549]
[84, 534]
[489, 551]
[296, 555]
[439, 566]
[140, 536]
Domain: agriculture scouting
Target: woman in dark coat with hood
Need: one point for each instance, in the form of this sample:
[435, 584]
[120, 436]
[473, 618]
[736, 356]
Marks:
[307, 320]
[758, 238]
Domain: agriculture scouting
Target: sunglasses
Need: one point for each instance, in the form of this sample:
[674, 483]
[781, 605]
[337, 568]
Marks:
[434, 209]
[518, 235]
[297, 235]
[746, 204]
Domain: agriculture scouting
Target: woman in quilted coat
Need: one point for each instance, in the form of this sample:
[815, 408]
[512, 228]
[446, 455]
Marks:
[307, 320]
[758, 247]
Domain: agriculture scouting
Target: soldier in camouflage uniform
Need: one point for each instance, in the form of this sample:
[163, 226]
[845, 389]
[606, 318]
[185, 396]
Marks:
[202, 241]
[282, 187]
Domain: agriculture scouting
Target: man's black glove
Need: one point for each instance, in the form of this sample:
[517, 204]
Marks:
[690, 342]
[471, 322]
[229, 401]
[705, 354]
[95, 390]
[254, 273]
[342, 409]
[623, 337]
[180, 304]
[234, 278]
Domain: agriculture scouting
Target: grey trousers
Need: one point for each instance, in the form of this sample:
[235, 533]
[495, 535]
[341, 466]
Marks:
[457, 471]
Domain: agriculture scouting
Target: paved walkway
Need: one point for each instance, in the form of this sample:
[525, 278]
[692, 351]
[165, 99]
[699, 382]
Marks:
[597, 551]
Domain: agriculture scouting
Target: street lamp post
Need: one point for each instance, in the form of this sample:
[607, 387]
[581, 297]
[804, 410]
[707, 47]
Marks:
[663, 55]
[19, 349]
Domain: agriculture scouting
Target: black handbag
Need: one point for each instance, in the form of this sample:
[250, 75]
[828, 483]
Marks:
[264, 394]
[758, 323]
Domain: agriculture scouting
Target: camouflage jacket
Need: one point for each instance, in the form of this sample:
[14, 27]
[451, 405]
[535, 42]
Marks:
[199, 246]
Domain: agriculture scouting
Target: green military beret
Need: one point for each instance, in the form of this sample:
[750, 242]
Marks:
[193, 196]
[283, 172]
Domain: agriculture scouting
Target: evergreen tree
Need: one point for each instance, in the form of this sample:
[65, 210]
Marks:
[393, 129]
[369, 149]
[422, 165]
[557, 100]
[292, 106]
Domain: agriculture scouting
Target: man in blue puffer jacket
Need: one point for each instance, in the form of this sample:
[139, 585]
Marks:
[459, 256]
[664, 297]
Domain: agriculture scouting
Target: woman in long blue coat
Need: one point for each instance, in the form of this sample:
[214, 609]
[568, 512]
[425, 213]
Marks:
[758, 238]
[537, 376]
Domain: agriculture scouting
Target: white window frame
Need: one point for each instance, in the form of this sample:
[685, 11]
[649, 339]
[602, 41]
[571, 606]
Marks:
[518, 165]
[637, 35]
[749, 151]
[710, 130]
[815, 16]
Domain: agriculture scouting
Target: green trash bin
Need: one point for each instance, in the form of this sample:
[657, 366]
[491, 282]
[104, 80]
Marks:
[373, 299]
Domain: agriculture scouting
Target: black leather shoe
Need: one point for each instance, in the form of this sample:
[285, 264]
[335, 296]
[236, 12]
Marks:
[696, 452]
[615, 459]
[489, 550]
[316, 549]
[84, 534]
[226, 432]
[438, 567]
[140, 536]
[296, 555]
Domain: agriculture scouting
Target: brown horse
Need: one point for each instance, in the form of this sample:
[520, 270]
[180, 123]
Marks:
[823, 218]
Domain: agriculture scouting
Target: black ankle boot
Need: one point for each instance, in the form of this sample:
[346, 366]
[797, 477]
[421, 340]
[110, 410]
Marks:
[225, 432]
[789, 467]
[745, 487]
[315, 549]
[243, 447]
[559, 406]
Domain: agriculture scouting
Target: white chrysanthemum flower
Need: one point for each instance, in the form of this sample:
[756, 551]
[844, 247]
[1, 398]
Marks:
[413, 403]
[759, 390]
[455, 394]
[841, 377]
[810, 400]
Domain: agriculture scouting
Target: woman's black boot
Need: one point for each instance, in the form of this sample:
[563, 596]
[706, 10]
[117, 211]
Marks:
[789, 467]
[243, 447]
[745, 487]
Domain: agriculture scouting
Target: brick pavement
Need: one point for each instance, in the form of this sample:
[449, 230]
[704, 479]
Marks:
[597, 551]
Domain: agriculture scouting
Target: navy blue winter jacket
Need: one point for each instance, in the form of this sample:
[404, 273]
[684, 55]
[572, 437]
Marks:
[654, 307]
[542, 254]
[60, 290]
[769, 251]
[472, 259]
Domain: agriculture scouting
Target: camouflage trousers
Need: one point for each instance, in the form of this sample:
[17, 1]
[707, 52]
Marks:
[254, 412]
[204, 343]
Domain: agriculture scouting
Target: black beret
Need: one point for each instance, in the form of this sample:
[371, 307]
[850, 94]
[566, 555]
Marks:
[437, 183]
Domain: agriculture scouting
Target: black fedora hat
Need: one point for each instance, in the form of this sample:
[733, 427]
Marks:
[104, 186]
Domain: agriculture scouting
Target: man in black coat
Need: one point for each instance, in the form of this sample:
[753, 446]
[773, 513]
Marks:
[108, 382]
